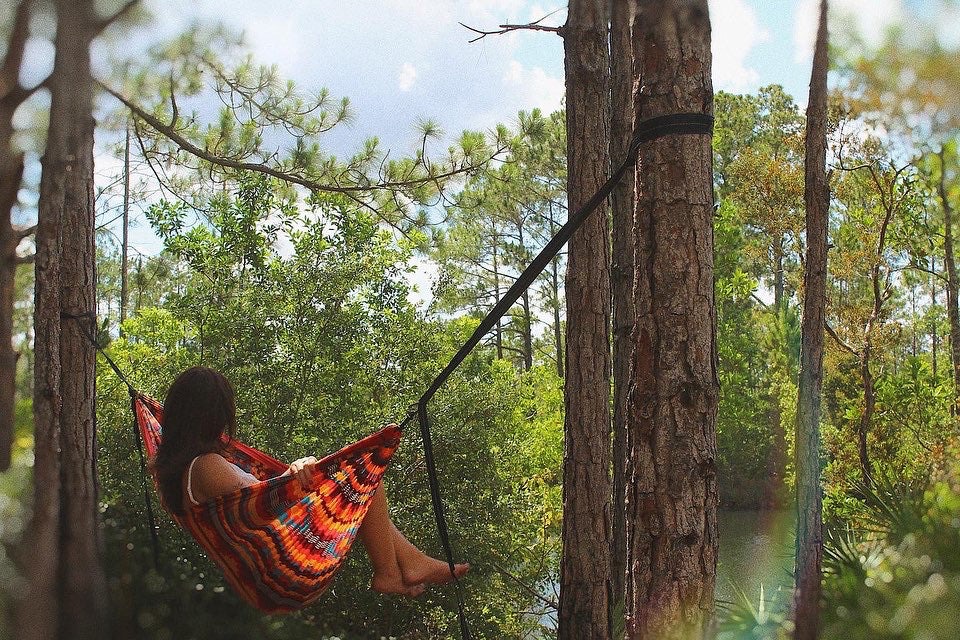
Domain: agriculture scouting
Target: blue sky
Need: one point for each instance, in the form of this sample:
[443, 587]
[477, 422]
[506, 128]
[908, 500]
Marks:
[402, 60]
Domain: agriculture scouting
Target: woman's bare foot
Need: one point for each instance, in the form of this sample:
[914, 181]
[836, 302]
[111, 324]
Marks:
[420, 568]
[396, 584]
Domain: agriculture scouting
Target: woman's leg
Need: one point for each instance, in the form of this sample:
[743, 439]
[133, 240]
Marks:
[376, 534]
[397, 563]
[417, 567]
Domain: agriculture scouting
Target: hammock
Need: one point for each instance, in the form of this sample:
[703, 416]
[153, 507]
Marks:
[278, 544]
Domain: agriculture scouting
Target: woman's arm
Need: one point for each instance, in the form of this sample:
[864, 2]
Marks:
[213, 476]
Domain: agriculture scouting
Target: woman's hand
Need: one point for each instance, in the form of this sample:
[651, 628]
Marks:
[303, 470]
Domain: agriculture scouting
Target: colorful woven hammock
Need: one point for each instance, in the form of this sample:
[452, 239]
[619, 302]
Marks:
[278, 544]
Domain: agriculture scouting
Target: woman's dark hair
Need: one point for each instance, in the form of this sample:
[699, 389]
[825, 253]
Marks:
[198, 411]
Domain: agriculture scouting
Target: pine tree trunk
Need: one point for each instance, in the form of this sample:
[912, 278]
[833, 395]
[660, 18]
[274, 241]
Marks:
[621, 281]
[585, 565]
[950, 263]
[124, 248]
[809, 536]
[527, 332]
[557, 328]
[498, 335]
[671, 464]
[66, 583]
[778, 274]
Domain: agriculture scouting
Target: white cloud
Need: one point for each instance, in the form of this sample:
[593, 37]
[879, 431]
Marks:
[407, 76]
[533, 87]
[736, 31]
[870, 17]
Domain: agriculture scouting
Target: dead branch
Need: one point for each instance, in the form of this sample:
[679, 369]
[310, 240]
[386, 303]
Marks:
[507, 28]
[533, 592]
[840, 342]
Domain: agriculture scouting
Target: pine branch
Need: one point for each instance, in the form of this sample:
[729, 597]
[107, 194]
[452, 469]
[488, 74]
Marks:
[203, 154]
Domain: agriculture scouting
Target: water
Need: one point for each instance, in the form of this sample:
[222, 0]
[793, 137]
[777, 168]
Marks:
[756, 548]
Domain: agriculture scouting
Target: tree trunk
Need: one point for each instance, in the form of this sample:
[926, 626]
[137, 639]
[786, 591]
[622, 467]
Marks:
[866, 417]
[671, 464]
[621, 281]
[777, 457]
[498, 335]
[527, 332]
[809, 536]
[557, 329]
[585, 565]
[527, 328]
[11, 173]
[952, 305]
[66, 593]
[933, 304]
[124, 249]
[778, 274]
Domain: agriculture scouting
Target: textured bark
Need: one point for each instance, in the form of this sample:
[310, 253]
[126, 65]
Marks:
[953, 310]
[585, 565]
[66, 582]
[621, 279]
[671, 464]
[809, 537]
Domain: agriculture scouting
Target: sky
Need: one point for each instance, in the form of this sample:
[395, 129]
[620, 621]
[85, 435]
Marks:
[400, 61]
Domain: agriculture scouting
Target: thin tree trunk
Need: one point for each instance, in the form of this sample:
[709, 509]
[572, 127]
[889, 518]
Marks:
[952, 305]
[585, 565]
[527, 332]
[671, 465]
[866, 417]
[124, 249]
[557, 328]
[809, 536]
[527, 328]
[621, 281]
[11, 173]
[778, 274]
[498, 336]
[933, 304]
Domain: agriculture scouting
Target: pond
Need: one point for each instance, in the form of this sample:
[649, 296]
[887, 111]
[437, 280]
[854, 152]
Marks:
[756, 548]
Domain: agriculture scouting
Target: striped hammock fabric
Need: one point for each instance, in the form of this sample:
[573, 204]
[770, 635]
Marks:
[278, 544]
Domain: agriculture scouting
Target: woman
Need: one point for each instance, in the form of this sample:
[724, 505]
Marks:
[199, 409]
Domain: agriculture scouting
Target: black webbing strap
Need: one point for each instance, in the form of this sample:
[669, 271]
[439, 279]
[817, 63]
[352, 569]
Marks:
[90, 335]
[650, 129]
